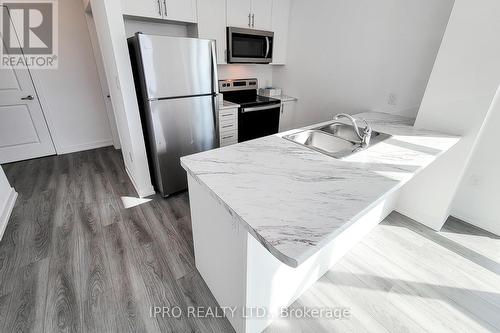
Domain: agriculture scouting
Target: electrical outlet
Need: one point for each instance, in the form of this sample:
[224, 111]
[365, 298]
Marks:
[393, 99]
[475, 180]
[117, 81]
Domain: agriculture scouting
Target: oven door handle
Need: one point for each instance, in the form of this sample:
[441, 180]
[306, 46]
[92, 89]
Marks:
[259, 108]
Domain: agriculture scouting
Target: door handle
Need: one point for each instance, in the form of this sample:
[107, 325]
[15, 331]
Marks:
[260, 108]
[27, 98]
[253, 20]
[165, 7]
[159, 7]
[249, 18]
[267, 47]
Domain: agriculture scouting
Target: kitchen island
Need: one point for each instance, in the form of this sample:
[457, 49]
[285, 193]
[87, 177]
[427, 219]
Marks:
[270, 216]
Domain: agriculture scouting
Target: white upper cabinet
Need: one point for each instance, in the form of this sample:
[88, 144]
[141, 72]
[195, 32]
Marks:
[239, 13]
[143, 8]
[212, 24]
[256, 14]
[174, 10]
[281, 14]
[180, 10]
[262, 14]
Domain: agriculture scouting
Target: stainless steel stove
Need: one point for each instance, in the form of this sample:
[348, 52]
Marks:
[258, 116]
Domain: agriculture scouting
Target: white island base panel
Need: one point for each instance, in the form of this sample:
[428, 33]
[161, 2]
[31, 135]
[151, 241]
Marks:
[243, 274]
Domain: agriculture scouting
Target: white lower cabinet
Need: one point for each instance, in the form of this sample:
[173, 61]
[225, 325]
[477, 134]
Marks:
[287, 117]
[228, 138]
[228, 126]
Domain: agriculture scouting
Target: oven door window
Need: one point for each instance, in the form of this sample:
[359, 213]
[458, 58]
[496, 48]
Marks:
[251, 46]
[256, 124]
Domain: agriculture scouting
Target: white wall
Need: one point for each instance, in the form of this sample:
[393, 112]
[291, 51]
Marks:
[263, 73]
[461, 89]
[7, 200]
[113, 42]
[102, 76]
[71, 96]
[478, 197]
[349, 56]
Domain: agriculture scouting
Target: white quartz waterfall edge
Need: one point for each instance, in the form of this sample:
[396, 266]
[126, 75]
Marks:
[244, 276]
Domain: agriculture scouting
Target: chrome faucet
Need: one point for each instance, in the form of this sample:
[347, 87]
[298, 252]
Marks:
[367, 131]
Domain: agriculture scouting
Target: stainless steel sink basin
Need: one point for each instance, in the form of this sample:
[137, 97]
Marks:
[347, 132]
[322, 141]
[337, 139]
[340, 130]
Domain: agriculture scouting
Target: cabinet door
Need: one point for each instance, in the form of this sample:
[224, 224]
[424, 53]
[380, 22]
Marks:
[212, 24]
[281, 14]
[238, 13]
[262, 14]
[287, 117]
[143, 8]
[180, 10]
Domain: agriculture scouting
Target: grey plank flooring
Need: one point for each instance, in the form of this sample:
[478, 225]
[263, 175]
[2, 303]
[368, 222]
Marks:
[74, 259]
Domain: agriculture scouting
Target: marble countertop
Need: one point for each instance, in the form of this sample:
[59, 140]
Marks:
[295, 200]
[285, 98]
[228, 105]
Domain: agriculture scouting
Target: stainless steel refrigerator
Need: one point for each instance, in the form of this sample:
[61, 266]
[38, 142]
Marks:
[176, 82]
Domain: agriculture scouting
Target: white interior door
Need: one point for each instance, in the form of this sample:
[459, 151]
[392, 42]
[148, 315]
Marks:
[23, 130]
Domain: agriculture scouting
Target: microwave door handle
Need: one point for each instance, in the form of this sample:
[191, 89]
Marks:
[267, 47]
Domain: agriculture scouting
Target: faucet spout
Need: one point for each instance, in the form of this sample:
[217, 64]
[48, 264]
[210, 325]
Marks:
[364, 136]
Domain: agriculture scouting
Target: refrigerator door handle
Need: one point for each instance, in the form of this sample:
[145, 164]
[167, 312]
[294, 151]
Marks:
[216, 119]
[215, 80]
[215, 89]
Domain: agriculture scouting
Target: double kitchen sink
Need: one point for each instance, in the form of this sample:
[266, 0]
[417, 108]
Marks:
[336, 139]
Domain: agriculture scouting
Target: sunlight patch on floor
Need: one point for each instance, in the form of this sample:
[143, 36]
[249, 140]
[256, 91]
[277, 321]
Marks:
[129, 202]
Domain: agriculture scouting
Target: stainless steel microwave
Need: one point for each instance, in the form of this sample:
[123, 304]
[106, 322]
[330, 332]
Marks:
[249, 46]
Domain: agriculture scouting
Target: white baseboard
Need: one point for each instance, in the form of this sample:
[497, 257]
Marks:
[421, 217]
[473, 221]
[7, 210]
[84, 146]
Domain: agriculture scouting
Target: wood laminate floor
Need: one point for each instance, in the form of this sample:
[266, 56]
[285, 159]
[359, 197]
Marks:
[82, 254]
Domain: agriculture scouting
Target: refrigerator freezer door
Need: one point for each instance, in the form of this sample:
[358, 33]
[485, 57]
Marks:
[175, 67]
[179, 127]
